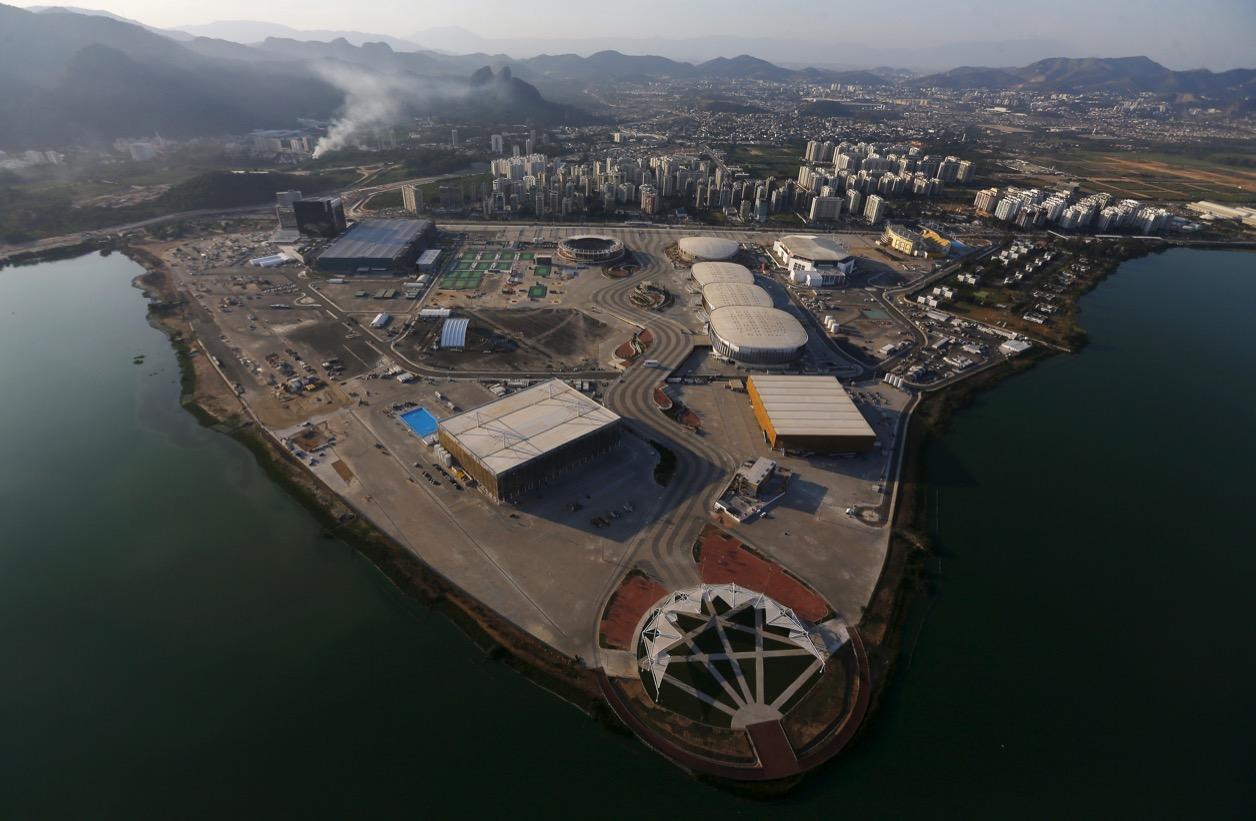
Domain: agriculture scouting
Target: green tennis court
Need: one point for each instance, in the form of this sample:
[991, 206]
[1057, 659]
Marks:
[541, 270]
[537, 292]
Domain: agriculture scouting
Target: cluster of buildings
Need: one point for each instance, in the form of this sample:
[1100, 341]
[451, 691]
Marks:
[372, 246]
[1034, 208]
[918, 241]
[497, 144]
[855, 179]
[843, 179]
[15, 162]
[282, 144]
[741, 322]
[649, 184]
[524, 441]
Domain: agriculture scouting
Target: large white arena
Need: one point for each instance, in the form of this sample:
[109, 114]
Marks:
[698, 249]
[732, 294]
[813, 259]
[709, 273]
[756, 336]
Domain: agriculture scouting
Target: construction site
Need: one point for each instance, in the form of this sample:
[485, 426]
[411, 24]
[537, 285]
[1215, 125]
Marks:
[610, 443]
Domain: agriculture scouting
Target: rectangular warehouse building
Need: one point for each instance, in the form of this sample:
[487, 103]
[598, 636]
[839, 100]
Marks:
[523, 441]
[808, 413]
[377, 247]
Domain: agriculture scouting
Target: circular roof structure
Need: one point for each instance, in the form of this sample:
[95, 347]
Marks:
[590, 248]
[713, 248]
[730, 294]
[728, 656]
[760, 329]
[709, 273]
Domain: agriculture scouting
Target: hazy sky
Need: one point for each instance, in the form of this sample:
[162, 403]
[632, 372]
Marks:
[1217, 34]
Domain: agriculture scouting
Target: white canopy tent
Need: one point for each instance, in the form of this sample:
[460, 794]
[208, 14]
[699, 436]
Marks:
[662, 637]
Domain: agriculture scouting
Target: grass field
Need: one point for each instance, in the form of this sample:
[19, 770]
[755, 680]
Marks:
[385, 199]
[462, 280]
[765, 160]
[1227, 176]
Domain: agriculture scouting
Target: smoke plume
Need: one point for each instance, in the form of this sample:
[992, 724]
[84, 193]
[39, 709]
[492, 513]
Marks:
[375, 100]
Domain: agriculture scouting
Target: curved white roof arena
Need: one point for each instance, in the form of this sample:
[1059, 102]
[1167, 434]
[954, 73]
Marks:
[709, 248]
[709, 273]
[814, 248]
[731, 294]
[750, 329]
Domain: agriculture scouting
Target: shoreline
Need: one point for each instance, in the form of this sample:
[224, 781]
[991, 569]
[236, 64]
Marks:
[888, 623]
[498, 638]
[905, 584]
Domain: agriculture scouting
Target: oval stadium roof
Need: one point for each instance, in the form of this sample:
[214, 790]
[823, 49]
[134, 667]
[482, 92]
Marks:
[758, 328]
[709, 247]
[728, 294]
[814, 248]
[708, 273]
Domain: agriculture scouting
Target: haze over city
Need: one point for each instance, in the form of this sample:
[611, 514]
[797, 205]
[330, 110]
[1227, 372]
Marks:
[1215, 34]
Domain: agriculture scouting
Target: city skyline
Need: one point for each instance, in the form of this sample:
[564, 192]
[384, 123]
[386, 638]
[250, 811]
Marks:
[1214, 34]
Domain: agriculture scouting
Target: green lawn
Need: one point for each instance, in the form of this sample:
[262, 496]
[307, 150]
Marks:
[765, 160]
[385, 199]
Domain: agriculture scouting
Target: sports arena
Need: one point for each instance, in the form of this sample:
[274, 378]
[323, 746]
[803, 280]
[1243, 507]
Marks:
[701, 249]
[590, 249]
[709, 273]
[756, 336]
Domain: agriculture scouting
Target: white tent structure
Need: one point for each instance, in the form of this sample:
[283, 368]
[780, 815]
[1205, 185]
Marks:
[453, 333]
[663, 639]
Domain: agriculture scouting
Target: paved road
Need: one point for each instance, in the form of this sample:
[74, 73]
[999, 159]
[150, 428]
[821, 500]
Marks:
[663, 548]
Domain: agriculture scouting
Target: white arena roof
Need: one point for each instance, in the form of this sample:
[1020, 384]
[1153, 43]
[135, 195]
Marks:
[708, 273]
[758, 328]
[814, 248]
[727, 294]
[809, 406]
[709, 247]
[515, 429]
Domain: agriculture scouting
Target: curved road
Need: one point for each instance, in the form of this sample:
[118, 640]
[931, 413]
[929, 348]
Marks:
[663, 548]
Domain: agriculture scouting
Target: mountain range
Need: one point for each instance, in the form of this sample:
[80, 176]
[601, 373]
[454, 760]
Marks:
[1117, 74]
[69, 75]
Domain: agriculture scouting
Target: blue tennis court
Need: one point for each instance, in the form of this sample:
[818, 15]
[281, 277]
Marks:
[420, 421]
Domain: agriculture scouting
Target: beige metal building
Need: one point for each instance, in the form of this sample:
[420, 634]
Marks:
[522, 441]
[808, 413]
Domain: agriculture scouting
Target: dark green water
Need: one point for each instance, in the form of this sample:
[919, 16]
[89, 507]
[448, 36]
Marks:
[180, 640]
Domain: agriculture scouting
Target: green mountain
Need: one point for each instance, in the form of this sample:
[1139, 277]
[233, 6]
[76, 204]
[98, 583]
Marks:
[73, 78]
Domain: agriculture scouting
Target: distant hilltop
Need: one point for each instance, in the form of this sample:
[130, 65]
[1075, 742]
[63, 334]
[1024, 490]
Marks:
[72, 75]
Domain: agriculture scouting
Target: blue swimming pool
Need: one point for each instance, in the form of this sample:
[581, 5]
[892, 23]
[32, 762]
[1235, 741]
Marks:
[420, 421]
